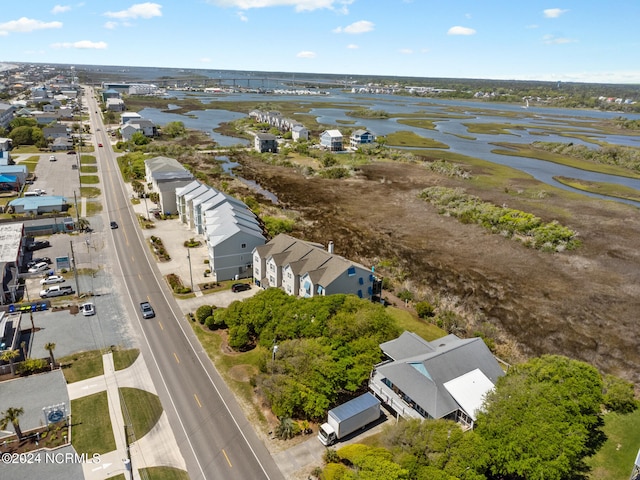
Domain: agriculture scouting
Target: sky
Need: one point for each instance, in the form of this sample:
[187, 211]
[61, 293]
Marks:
[551, 40]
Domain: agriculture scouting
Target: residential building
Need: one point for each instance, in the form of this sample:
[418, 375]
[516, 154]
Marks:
[6, 114]
[299, 133]
[55, 131]
[361, 137]
[39, 205]
[115, 105]
[165, 175]
[331, 140]
[446, 378]
[231, 231]
[128, 116]
[265, 142]
[306, 269]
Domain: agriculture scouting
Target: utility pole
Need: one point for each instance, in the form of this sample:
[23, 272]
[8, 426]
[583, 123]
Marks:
[75, 201]
[75, 270]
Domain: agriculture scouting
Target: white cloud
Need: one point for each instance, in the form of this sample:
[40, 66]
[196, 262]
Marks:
[458, 30]
[60, 9]
[110, 25]
[353, 46]
[306, 54]
[26, 25]
[355, 28]
[532, 26]
[81, 45]
[553, 40]
[340, 6]
[242, 17]
[139, 10]
[405, 51]
[553, 12]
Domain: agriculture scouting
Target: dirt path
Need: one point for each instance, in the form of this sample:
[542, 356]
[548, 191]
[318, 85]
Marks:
[583, 304]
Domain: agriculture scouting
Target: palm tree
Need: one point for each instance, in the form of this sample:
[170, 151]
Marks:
[83, 224]
[10, 356]
[11, 415]
[51, 347]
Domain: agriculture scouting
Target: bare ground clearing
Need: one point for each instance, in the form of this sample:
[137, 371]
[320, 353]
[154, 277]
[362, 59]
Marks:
[583, 304]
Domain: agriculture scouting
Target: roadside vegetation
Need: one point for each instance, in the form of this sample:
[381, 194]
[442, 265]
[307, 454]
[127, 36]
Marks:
[91, 425]
[522, 226]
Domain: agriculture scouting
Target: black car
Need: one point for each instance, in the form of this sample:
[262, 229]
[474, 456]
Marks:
[35, 261]
[240, 287]
[147, 310]
[37, 245]
[114, 225]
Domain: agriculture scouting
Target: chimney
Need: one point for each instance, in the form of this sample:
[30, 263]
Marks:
[330, 248]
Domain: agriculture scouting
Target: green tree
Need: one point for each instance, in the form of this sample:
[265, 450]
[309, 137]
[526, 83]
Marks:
[10, 356]
[154, 197]
[619, 395]
[50, 346]
[174, 129]
[12, 415]
[138, 187]
[23, 136]
[23, 122]
[541, 420]
[139, 138]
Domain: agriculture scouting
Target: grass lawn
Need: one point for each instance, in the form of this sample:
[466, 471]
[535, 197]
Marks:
[91, 425]
[125, 358]
[89, 179]
[81, 366]
[142, 408]
[88, 160]
[88, 169]
[164, 473]
[615, 459]
[90, 192]
[406, 321]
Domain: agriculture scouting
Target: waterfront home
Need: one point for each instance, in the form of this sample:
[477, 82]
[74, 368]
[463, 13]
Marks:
[331, 140]
[446, 378]
[306, 269]
[361, 137]
[265, 142]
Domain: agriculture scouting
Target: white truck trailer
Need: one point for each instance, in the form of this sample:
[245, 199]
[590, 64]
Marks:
[349, 417]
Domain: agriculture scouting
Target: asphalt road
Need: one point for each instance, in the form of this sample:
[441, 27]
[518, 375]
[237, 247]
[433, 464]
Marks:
[216, 440]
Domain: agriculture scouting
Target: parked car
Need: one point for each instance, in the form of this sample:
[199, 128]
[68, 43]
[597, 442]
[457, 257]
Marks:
[52, 158]
[39, 267]
[71, 152]
[35, 261]
[51, 279]
[240, 287]
[147, 310]
[99, 144]
[114, 225]
[57, 291]
[37, 245]
[88, 309]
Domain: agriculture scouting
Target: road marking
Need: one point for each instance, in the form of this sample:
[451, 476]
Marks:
[197, 400]
[102, 467]
[225, 456]
[161, 327]
[177, 359]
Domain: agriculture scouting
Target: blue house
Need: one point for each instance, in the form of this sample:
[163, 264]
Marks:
[361, 137]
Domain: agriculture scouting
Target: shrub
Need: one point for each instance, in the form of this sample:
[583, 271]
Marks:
[32, 365]
[405, 295]
[287, 429]
[203, 312]
[424, 309]
[210, 322]
[618, 395]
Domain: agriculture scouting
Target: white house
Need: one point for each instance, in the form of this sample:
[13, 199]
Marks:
[331, 140]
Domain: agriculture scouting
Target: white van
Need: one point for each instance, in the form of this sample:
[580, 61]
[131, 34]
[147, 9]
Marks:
[31, 194]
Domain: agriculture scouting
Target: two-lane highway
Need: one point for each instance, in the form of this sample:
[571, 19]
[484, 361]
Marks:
[215, 438]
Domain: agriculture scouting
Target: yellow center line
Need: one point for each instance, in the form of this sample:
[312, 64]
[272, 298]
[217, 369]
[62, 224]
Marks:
[197, 400]
[177, 359]
[225, 456]
[161, 327]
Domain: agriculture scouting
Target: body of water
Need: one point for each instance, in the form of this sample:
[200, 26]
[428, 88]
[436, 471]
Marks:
[529, 125]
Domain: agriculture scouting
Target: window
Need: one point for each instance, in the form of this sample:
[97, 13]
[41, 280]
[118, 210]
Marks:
[244, 245]
[288, 274]
[351, 271]
[361, 281]
[359, 293]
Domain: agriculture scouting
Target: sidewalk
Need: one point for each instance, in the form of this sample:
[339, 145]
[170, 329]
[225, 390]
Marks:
[157, 448]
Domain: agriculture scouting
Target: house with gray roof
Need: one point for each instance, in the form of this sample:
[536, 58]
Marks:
[331, 140]
[40, 204]
[299, 133]
[230, 229]
[445, 378]
[165, 175]
[306, 269]
[361, 137]
[265, 142]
